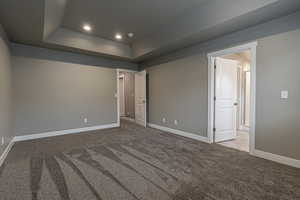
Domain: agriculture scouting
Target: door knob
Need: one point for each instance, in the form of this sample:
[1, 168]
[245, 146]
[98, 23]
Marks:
[235, 104]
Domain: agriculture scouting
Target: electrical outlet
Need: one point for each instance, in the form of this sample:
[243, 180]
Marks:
[175, 122]
[2, 140]
[164, 120]
[85, 120]
[284, 94]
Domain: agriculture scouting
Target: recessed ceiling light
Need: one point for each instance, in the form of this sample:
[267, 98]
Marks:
[118, 36]
[87, 28]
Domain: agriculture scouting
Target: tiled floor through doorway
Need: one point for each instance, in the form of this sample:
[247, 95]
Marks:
[241, 142]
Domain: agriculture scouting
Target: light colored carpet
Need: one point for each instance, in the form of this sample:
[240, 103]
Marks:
[132, 162]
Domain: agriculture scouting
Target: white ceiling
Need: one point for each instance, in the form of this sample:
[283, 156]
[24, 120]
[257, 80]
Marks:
[108, 17]
[159, 26]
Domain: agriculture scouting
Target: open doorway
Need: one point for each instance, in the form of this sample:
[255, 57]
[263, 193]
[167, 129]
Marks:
[232, 97]
[132, 96]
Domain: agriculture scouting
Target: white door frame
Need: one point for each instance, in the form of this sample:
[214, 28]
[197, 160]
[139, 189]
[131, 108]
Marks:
[118, 91]
[211, 88]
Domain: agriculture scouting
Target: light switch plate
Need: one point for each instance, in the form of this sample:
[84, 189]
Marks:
[284, 94]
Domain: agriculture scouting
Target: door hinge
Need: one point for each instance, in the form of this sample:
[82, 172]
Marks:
[214, 129]
[215, 98]
[215, 66]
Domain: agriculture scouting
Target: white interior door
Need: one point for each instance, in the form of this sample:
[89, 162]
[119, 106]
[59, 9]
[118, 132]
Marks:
[140, 98]
[122, 96]
[226, 99]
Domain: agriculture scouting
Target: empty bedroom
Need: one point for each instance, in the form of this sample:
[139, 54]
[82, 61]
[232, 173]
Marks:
[149, 100]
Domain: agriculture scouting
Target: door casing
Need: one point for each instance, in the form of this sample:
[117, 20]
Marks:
[117, 95]
[211, 89]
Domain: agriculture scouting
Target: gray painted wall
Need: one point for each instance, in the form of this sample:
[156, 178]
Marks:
[277, 120]
[178, 91]
[53, 95]
[6, 112]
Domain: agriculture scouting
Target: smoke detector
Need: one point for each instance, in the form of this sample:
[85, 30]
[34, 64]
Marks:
[130, 35]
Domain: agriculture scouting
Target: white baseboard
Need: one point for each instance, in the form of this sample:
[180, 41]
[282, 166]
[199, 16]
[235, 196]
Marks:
[63, 132]
[258, 153]
[181, 133]
[6, 151]
[277, 158]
